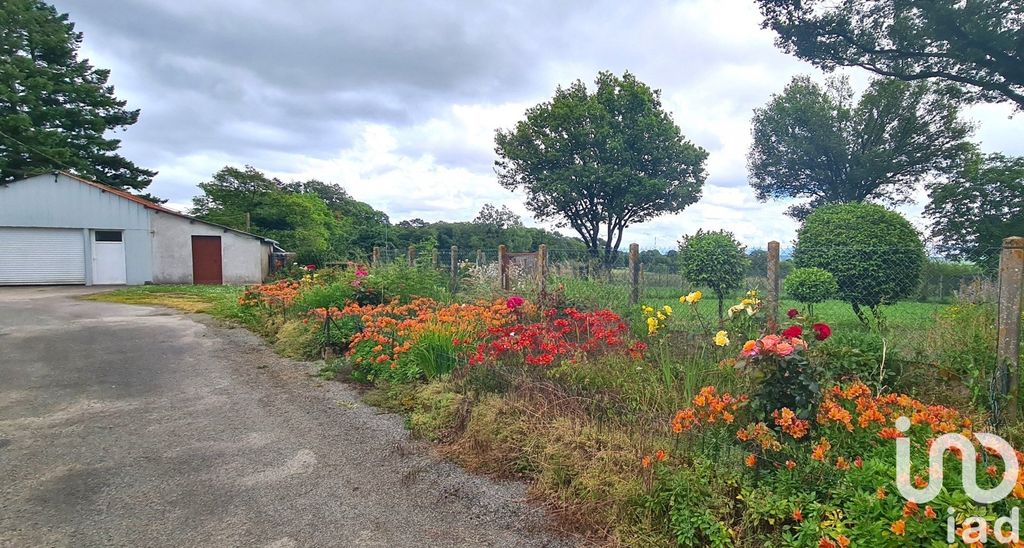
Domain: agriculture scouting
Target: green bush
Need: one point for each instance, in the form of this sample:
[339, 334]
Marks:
[811, 285]
[324, 296]
[859, 355]
[714, 260]
[400, 281]
[875, 254]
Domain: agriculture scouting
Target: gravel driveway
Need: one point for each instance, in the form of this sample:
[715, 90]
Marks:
[138, 426]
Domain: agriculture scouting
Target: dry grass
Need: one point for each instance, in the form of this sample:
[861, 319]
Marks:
[185, 303]
[217, 300]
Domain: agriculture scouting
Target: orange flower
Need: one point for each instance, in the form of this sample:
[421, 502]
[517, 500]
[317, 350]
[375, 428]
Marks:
[1018, 491]
[991, 470]
[898, 527]
[858, 462]
[790, 464]
[826, 542]
[751, 460]
[841, 464]
[843, 541]
[661, 455]
[820, 449]
[929, 512]
[798, 515]
[910, 508]
[880, 493]
[646, 461]
[919, 482]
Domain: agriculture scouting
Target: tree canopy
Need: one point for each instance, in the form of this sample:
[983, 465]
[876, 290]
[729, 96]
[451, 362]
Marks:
[600, 161]
[815, 142]
[976, 46]
[55, 109]
[973, 211]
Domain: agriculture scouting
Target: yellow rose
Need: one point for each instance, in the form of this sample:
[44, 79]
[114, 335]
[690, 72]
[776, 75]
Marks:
[722, 338]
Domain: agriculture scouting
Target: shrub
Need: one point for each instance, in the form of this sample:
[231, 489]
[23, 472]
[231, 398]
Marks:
[875, 254]
[963, 340]
[853, 355]
[811, 285]
[297, 339]
[323, 296]
[400, 281]
[714, 260]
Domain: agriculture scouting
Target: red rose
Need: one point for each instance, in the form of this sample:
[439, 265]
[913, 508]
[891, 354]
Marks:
[793, 332]
[821, 331]
[792, 313]
[515, 302]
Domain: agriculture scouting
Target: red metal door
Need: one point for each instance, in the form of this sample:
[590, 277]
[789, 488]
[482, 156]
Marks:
[206, 260]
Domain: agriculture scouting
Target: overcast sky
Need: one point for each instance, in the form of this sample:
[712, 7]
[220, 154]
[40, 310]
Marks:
[398, 101]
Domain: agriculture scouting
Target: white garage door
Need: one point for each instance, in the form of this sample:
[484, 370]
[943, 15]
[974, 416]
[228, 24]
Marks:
[41, 256]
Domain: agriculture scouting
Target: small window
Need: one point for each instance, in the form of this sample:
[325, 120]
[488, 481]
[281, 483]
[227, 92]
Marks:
[108, 235]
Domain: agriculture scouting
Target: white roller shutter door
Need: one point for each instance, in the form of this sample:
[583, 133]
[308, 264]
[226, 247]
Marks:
[41, 256]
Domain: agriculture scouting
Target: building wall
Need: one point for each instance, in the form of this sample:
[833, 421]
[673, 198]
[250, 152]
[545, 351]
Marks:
[57, 201]
[244, 258]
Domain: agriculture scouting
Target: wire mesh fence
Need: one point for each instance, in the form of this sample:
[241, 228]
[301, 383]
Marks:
[897, 292]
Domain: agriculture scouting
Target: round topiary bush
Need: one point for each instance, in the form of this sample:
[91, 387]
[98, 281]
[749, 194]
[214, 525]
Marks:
[811, 285]
[875, 254]
[714, 260]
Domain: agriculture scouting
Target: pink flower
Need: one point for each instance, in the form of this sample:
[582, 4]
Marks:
[310, 267]
[784, 349]
[514, 302]
[361, 272]
[821, 331]
[792, 313]
[769, 342]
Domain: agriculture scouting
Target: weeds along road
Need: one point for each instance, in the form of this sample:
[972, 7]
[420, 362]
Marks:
[138, 426]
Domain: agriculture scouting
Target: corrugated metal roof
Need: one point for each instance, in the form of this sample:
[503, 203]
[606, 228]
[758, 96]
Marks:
[157, 207]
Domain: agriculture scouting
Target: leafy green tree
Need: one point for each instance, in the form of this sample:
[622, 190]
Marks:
[301, 222]
[975, 46]
[974, 210]
[814, 142]
[503, 218]
[600, 161]
[714, 260]
[811, 286]
[875, 254]
[55, 109]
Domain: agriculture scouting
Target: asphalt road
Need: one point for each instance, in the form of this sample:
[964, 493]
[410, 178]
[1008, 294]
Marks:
[127, 425]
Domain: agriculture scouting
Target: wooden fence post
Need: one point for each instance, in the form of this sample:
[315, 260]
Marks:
[411, 253]
[634, 273]
[503, 267]
[375, 257]
[479, 257]
[542, 268]
[455, 268]
[773, 286]
[434, 259]
[1011, 267]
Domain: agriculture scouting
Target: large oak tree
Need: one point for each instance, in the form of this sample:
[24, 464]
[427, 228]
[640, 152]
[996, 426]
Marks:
[815, 142]
[599, 161]
[55, 109]
[974, 210]
[975, 45]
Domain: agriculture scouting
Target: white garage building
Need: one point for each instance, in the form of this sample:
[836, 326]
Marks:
[61, 229]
